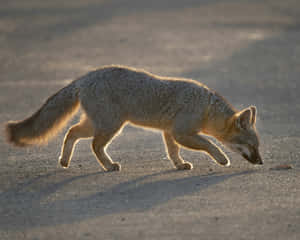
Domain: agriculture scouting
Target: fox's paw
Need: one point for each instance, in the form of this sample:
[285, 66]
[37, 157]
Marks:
[185, 166]
[64, 163]
[224, 161]
[114, 167]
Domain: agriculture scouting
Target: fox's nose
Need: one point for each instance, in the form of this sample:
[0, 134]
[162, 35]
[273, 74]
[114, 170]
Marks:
[258, 159]
[257, 162]
[260, 162]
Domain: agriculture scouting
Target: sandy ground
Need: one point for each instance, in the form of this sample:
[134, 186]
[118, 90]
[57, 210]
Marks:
[249, 51]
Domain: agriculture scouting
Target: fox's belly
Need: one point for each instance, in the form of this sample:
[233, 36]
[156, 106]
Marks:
[152, 121]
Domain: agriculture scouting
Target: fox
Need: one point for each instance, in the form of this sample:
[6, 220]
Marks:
[183, 110]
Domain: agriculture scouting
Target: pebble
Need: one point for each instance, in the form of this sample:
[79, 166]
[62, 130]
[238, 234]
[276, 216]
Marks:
[281, 167]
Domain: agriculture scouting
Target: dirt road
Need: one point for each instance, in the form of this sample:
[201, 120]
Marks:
[249, 51]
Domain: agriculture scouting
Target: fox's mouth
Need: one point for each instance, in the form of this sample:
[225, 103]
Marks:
[254, 160]
[252, 156]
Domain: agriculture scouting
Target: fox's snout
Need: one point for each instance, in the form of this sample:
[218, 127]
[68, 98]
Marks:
[253, 156]
[254, 159]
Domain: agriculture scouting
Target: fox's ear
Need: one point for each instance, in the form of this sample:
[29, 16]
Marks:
[244, 119]
[253, 110]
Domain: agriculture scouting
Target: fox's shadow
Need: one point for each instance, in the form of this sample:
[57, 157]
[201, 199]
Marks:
[23, 208]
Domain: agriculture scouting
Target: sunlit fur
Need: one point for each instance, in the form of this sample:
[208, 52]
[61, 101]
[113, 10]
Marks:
[112, 96]
[46, 122]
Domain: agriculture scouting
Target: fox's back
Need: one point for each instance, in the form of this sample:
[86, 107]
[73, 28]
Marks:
[142, 96]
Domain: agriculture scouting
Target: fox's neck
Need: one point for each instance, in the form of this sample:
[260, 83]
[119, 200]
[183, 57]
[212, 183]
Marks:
[219, 113]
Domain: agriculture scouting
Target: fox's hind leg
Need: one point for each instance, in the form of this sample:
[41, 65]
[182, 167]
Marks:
[83, 129]
[106, 117]
[100, 142]
[106, 127]
[172, 150]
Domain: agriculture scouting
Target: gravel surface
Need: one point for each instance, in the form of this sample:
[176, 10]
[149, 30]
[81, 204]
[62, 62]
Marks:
[249, 51]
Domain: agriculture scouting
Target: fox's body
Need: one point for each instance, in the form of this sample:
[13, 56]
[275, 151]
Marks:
[114, 95]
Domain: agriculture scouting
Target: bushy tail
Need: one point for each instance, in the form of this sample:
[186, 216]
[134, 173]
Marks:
[47, 121]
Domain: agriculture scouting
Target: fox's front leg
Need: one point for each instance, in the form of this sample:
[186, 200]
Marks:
[199, 142]
[172, 150]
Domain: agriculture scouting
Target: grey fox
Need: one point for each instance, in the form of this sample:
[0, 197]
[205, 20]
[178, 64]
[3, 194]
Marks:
[184, 110]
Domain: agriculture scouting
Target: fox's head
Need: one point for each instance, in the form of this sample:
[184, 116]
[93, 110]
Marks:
[241, 135]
